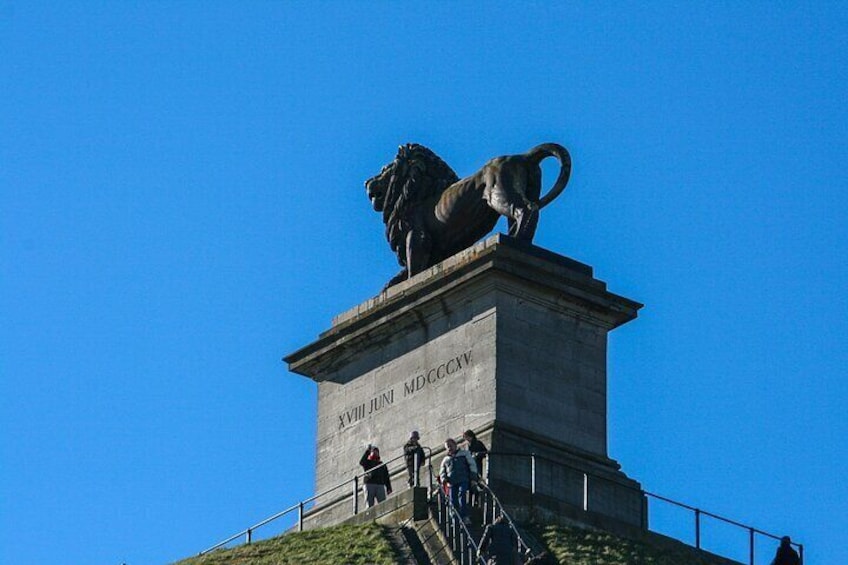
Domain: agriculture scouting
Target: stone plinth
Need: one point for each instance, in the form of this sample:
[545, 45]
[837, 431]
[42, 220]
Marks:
[506, 339]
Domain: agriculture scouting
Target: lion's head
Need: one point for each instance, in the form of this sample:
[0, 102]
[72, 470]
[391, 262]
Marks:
[414, 176]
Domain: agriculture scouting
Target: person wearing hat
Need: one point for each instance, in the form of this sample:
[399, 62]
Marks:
[414, 455]
[786, 554]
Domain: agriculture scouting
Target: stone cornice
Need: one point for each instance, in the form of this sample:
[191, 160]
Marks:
[498, 260]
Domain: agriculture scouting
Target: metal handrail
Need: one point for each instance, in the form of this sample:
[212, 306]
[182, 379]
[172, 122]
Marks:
[463, 543]
[300, 506]
[751, 530]
[523, 547]
[697, 511]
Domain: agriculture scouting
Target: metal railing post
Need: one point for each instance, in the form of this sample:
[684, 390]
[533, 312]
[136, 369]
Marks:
[415, 480]
[751, 542]
[585, 492]
[801, 551]
[485, 505]
[249, 535]
[451, 527]
[532, 473]
[697, 528]
[355, 495]
[462, 546]
[300, 516]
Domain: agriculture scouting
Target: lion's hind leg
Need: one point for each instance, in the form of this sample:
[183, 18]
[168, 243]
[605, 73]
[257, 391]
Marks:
[507, 183]
[523, 225]
[522, 217]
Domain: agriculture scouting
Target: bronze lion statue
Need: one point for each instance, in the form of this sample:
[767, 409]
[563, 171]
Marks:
[430, 214]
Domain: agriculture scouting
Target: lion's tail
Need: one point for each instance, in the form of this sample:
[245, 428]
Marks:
[540, 152]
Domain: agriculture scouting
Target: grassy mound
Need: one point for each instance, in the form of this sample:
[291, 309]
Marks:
[577, 546]
[354, 545]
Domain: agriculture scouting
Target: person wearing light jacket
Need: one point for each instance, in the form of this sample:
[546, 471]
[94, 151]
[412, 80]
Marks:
[457, 471]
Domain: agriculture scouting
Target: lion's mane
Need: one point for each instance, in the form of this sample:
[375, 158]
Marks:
[415, 176]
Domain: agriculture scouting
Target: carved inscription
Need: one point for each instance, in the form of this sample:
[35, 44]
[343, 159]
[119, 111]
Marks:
[366, 408]
[436, 374]
[410, 386]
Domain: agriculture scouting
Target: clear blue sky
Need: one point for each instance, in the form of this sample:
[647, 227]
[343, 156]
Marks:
[182, 203]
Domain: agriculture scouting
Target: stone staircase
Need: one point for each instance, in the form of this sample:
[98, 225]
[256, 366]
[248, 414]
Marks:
[425, 541]
[416, 532]
[430, 541]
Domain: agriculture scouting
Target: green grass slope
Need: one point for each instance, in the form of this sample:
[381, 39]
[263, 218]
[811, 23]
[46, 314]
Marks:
[578, 546]
[369, 544]
[349, 545]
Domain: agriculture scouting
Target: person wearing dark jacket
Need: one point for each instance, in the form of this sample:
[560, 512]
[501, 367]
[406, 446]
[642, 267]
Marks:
[476, 448]
[478, 451]
[413, 453]
[786, 554]
[498, 543]
[377, 483]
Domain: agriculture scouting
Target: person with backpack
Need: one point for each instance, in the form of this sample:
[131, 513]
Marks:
[457, 471]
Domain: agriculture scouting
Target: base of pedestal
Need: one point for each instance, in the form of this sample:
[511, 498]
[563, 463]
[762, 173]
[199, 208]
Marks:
[524, 467]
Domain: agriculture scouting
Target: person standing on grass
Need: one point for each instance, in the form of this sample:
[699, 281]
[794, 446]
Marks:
[377, 483]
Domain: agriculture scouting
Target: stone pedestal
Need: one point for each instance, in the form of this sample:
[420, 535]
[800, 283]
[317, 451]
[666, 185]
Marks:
[506, 339]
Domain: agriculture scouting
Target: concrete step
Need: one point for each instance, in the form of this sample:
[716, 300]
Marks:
[408, 546]
[438, 552]
[439, 549]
